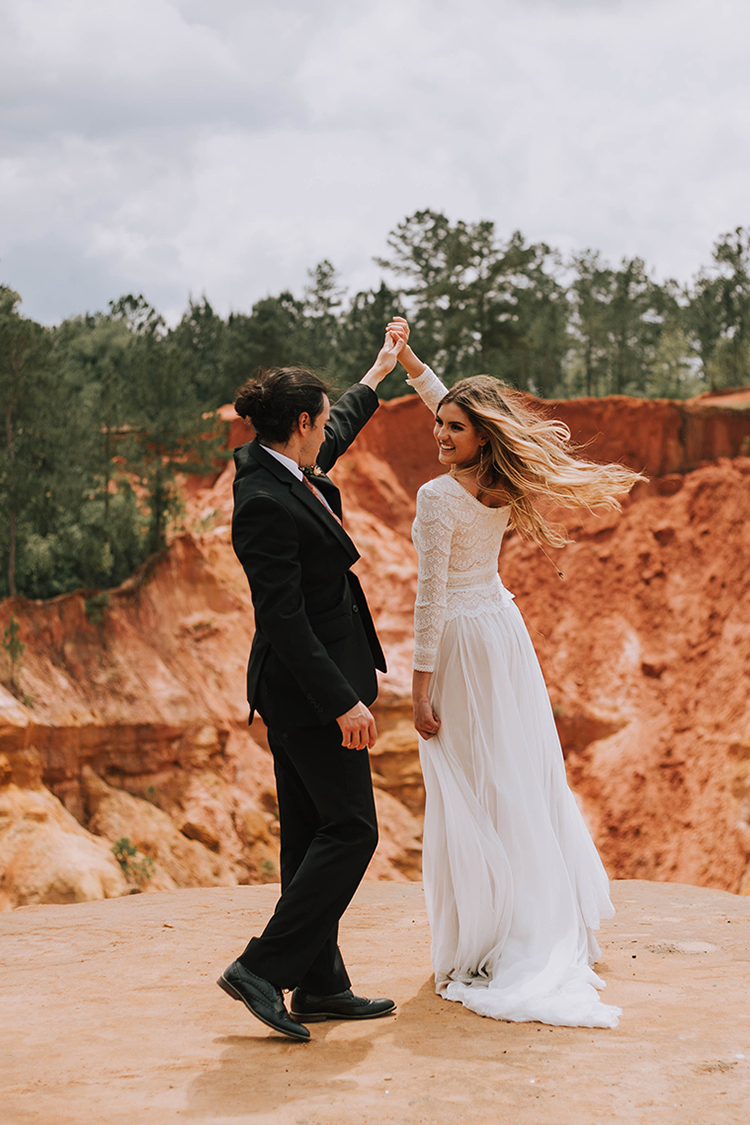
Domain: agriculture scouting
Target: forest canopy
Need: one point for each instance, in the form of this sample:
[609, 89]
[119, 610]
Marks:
[103, 410]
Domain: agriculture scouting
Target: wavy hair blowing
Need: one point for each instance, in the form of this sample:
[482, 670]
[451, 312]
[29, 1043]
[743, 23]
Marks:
[533, 459]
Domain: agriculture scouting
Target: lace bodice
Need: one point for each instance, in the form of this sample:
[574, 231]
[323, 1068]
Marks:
[458, 542]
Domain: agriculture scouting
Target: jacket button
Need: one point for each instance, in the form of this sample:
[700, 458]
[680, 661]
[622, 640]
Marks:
[355, 609]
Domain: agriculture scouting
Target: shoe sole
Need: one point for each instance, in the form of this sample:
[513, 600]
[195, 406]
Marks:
[235, 995]
[320, 1017]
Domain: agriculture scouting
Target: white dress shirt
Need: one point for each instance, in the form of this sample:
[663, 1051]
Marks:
[287, 462]
[294, 468]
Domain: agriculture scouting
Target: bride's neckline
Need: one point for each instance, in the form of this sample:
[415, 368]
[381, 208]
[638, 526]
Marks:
[465, 491]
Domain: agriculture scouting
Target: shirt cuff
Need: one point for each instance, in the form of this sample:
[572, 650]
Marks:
[417, 382]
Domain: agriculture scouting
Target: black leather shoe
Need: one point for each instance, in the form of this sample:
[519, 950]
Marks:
[262, 998]
[340, 1006]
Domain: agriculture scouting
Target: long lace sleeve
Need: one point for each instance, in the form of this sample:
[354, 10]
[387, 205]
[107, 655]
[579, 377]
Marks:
[429, 388]
[432, 534]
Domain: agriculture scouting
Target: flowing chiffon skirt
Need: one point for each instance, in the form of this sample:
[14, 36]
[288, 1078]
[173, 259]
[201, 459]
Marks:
[513, 882]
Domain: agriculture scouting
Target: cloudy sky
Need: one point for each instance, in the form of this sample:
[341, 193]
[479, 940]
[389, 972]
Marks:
[225, 146]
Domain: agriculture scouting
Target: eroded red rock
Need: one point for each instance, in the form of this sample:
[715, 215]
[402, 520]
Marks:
[645, 645]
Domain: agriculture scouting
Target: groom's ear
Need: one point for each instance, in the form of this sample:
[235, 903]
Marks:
[303, 422]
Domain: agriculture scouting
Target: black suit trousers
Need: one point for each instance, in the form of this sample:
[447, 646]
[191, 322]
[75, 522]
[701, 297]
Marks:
[328, 836]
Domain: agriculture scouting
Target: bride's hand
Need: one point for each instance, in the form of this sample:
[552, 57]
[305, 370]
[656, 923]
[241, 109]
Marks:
[411, 363]
[426, 722]
[400, 325]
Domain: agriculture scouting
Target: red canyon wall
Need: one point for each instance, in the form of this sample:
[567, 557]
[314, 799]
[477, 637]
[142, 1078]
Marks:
[133, 726]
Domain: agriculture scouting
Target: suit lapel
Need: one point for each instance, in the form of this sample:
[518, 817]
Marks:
[301, 492]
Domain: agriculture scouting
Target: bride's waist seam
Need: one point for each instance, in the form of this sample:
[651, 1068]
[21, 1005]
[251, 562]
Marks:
[473, 581]
[474, 600]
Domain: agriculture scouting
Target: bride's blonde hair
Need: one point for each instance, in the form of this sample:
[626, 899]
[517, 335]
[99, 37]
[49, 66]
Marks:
[532, 459]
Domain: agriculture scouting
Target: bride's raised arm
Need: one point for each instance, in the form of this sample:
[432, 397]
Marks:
[424, 380]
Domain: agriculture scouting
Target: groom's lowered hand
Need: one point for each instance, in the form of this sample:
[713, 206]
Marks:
[358, 730]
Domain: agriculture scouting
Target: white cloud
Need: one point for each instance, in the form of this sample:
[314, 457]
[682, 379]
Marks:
[180, 145]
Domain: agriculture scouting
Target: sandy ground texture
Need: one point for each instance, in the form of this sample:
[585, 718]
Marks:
[110, 1015]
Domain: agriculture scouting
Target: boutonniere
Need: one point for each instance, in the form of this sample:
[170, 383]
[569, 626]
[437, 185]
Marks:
[312, 470]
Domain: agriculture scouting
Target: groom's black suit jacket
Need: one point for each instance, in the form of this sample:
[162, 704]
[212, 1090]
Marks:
[315, 649]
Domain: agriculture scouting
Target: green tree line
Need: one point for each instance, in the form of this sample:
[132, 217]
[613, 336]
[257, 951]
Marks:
[103, 410]
[99, 415]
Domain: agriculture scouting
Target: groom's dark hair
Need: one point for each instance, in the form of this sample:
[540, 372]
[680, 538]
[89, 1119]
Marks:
[273, 401]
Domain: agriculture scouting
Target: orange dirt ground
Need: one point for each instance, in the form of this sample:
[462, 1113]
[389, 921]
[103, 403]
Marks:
[111, 1017]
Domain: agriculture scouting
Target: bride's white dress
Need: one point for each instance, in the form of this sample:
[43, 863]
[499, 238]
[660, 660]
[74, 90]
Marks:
[513, 882]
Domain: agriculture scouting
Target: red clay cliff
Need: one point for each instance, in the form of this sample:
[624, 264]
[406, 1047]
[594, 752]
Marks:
[134, 726]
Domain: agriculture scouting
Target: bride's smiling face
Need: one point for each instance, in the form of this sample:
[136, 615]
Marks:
[458, 440]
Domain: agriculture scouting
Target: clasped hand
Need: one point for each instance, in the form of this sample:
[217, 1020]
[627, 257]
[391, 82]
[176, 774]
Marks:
[396, 336]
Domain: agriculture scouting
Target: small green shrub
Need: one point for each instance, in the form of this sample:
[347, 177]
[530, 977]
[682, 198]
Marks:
[95, 607]
[138, 871]
[268, 869]
[15, 649]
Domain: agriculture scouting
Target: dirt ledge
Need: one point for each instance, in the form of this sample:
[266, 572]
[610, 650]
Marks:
[110, 1015]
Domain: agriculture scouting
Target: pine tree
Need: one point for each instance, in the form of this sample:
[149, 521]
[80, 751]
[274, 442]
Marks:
[28, 398]
[170, 433]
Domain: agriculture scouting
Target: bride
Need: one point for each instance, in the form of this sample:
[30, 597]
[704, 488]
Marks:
[513, 882]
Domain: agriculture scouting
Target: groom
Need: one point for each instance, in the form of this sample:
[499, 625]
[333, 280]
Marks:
[311, 676]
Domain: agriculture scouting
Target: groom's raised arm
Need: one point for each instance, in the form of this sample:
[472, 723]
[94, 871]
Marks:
[353, 410]
[358, 404]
